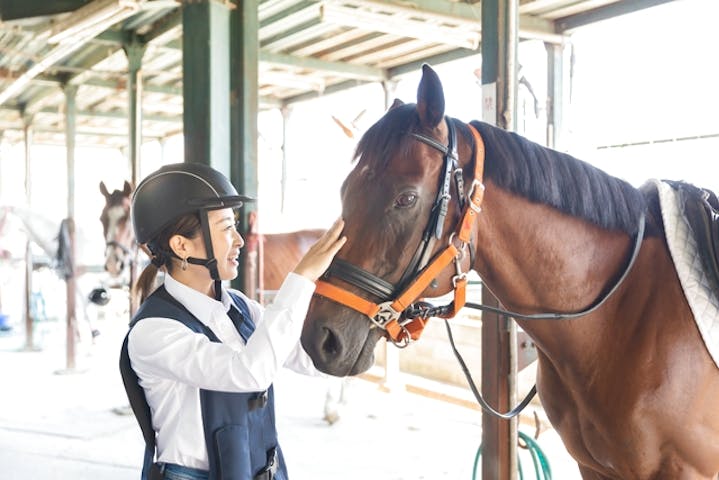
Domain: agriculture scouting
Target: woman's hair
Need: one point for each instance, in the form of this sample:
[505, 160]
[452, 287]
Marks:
[189, 227]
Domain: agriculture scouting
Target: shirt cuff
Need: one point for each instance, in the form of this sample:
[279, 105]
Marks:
[295, 290]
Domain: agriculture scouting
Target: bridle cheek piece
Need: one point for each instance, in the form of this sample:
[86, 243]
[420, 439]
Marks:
[401, 316]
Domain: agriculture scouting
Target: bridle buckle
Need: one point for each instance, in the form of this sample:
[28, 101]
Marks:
[385, 315]
[475, 184]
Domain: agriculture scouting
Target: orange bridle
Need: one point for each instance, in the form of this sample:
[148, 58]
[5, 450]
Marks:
[389, 315]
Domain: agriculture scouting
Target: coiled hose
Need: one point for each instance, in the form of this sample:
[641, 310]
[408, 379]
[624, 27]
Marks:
[542, 470]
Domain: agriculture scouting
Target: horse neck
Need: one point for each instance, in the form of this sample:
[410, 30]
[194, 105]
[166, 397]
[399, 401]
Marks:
[39, 229]
[536, 259]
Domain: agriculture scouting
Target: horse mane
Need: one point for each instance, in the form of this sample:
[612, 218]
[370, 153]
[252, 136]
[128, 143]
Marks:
[568, 184]
[538, 173]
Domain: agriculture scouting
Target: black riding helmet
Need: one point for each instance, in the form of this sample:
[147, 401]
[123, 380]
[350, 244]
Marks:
[180, 189]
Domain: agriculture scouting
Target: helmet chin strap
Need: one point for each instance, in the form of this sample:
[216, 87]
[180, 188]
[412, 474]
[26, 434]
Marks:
[211, 262]
[211, 265]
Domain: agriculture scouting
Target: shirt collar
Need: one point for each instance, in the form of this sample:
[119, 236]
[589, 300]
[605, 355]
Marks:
[199, 304]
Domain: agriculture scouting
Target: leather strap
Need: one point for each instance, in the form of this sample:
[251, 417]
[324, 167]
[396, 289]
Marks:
[387, 315]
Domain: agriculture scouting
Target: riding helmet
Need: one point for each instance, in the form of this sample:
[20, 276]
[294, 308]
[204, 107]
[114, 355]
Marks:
[176, 190]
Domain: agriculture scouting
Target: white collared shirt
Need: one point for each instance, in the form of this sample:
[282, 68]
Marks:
[173, 362]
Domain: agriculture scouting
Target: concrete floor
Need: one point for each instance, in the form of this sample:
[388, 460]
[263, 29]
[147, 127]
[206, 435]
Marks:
[56, 424]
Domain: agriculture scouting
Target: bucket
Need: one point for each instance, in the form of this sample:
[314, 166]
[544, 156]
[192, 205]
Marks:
[4, 326]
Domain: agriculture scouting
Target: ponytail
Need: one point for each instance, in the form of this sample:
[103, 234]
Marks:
[145, 284]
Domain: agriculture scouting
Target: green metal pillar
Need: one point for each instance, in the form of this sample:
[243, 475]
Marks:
[244, 82]
[206, 88]
[500, 20]
[134, 51]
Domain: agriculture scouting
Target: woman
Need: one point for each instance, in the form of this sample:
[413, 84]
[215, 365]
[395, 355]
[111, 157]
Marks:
[199, 360]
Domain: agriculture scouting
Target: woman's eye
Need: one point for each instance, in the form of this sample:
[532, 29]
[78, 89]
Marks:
[405, 200]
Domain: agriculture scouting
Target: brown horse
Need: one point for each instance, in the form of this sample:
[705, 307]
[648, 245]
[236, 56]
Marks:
[628, 383]
[120, 244]
[271, 256]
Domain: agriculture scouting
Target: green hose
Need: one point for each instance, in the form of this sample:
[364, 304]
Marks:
[542, 470]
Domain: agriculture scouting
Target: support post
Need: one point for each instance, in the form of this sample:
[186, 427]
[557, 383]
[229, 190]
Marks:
[555, 94]
[206, 83]
[29, 330]
[500, 23]
[70, 280]
[244, 84]
[286, 115]
[134, 51]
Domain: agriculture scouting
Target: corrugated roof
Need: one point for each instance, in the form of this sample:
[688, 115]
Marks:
[307, 47]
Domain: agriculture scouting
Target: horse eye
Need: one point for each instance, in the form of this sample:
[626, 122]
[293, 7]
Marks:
[405, 200]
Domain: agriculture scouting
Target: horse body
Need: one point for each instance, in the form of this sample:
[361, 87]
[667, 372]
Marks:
[618, 394]
[281, 252]
[630, 387]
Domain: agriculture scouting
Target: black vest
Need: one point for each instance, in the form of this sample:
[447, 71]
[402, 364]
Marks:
[240, 432]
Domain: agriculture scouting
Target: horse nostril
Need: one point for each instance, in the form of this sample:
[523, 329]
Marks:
[330, 345]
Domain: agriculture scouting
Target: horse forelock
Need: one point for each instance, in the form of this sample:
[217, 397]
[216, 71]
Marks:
[543, 175]
[380, 142]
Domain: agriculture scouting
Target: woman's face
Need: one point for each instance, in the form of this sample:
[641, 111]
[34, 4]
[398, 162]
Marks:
[226, 242]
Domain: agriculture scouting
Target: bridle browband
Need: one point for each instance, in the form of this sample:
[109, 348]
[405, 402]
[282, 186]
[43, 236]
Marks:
[397, 314]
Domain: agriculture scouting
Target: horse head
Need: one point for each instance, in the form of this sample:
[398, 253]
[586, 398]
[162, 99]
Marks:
[398, 220]
[117, 229]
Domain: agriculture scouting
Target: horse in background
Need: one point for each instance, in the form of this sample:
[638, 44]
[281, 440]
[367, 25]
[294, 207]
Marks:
[52, 238]
[120, 246]
[268, 258]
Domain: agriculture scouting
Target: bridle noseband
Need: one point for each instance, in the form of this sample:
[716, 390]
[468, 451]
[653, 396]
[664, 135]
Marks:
[398, 313]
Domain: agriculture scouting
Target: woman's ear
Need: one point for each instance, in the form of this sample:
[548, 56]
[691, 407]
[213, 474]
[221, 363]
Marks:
[180, 246]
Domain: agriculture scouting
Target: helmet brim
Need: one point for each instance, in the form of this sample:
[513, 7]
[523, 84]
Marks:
[234, 201]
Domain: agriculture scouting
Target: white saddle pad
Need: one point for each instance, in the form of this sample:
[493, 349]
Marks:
[687, 262]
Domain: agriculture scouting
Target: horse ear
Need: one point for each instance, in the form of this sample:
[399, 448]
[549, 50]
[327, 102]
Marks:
[430, 98]
[397, 103]
[127, 189]
[103, 189]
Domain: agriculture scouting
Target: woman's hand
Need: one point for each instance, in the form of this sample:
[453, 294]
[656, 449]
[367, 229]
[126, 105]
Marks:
[320, 255]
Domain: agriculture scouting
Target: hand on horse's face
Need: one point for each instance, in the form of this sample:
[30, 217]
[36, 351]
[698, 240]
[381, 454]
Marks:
[320, 255]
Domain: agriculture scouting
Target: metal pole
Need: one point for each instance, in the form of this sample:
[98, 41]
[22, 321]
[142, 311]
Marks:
[286, 114]
[555, 93]
[499, 357]
[134, 51]
[29, 330]
[244, 101]
[70, 282]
